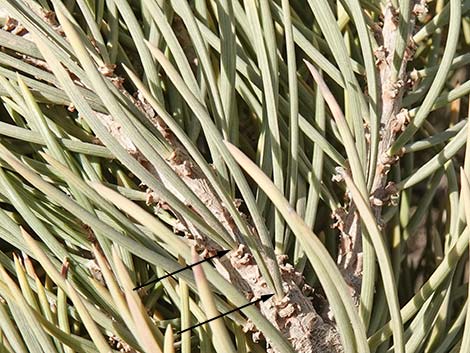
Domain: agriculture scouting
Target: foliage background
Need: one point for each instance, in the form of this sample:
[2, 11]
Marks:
[325, 143]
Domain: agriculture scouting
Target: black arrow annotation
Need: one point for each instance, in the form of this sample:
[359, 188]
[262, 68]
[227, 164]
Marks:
[263, 298]
[219, 254]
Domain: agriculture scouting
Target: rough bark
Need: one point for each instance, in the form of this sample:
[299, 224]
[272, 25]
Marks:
[393, 120]
[294, 315]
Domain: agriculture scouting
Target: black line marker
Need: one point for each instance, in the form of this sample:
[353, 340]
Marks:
[219, 254]
[263, 298]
